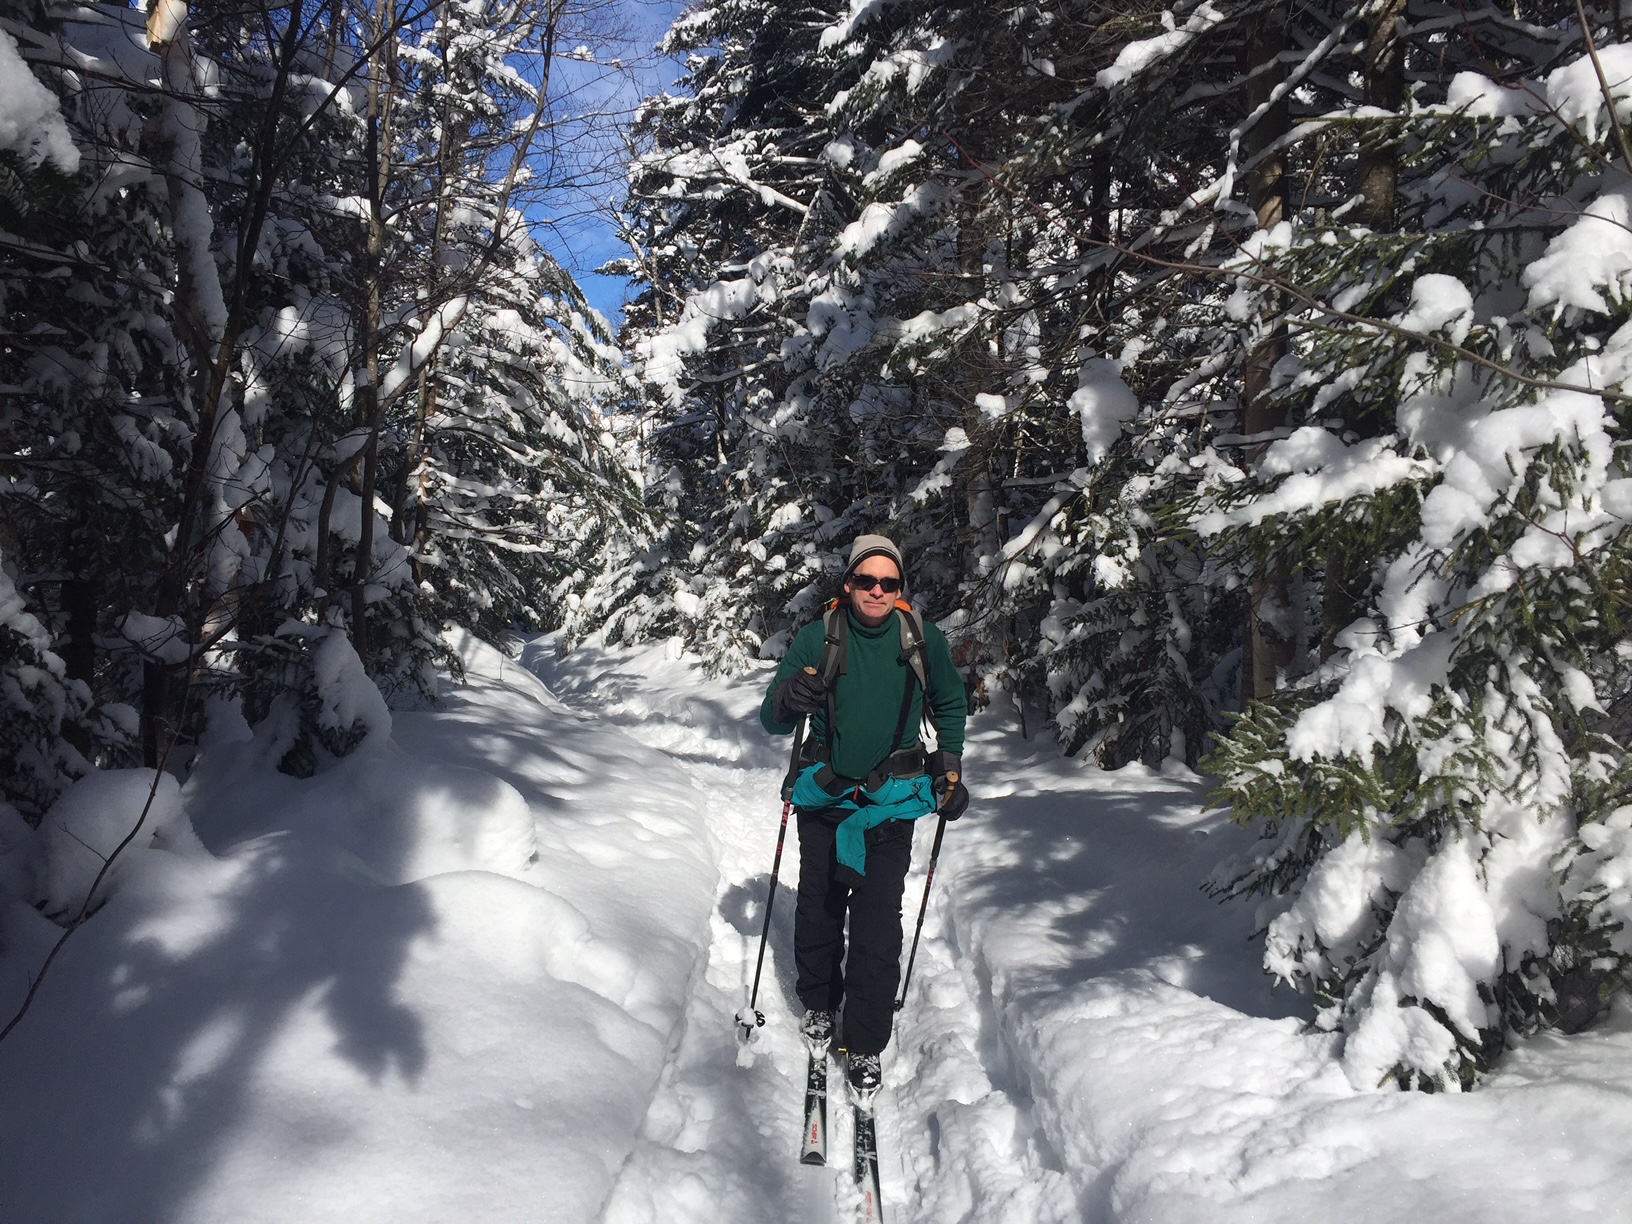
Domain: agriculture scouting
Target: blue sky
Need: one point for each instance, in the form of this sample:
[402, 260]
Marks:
[580, 237]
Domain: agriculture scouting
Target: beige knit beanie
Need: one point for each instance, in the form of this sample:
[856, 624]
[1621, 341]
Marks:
[875, 546]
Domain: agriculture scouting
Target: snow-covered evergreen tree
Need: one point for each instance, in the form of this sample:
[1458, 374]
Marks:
[1442, 786]
[731, 201]
[287, 356]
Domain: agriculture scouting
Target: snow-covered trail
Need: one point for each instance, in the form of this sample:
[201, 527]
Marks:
[1088, 1037]
[487, 970]
[721, 1140]
[716, 1143]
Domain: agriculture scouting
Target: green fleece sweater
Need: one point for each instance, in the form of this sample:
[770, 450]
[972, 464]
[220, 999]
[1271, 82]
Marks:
[867, 702]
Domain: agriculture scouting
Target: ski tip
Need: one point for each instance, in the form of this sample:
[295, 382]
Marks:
[814, 1159]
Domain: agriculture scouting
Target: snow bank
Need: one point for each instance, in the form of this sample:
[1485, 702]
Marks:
[1168, 1082]
[474, 972]
[84, 827]
[436, 982]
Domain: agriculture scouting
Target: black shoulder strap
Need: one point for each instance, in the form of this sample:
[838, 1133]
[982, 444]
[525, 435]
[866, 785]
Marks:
[912, 643]
[834, 662]
[835, 644]
[912, 654]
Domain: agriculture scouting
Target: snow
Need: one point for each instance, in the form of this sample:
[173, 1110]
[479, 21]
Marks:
[31, 124]
[487, 966]
[1495, 455]
[663, 355]
[1135, 57]
[1334, 909]
[1355, 720]
[1607, 867]
[1576, 94]
[161, 638]
[1103, 403]
[423, 347]
[345, 694]
[1594, 253]
[861, 11]
[1439, 302]
[907, 152]
[1483, 98]
[1320, 469]
[1088, 1037]
[887, 218]
[1441, 945]
[435, 982]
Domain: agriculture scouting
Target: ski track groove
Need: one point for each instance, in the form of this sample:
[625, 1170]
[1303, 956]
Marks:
[954, 1146]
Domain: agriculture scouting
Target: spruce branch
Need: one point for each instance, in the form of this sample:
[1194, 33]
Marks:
[1264, 276]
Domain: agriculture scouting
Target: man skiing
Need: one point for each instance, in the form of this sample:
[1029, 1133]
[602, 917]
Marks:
[863, 674]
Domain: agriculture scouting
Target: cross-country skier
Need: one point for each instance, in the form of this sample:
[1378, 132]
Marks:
[863, 673]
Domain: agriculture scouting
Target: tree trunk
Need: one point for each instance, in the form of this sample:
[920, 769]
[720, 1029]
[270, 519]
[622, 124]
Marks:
[1267, 647]
[1384, 66]
[369, 406]
[1344, 585]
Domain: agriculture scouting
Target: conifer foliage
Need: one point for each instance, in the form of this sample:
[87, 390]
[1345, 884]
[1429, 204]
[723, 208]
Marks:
[1243, 379]
[287, 386]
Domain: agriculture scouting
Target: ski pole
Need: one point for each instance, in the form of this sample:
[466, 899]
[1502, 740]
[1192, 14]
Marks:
[758, 1017]
[934, 853]
[765, 931]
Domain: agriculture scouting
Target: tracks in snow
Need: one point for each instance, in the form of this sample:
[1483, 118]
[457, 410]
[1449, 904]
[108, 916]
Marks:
[720, 1142]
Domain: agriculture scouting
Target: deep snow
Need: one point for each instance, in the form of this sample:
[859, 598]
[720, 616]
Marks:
[487, 970]
[437, 983]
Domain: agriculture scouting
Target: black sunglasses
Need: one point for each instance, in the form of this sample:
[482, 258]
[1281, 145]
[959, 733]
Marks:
[868, 582]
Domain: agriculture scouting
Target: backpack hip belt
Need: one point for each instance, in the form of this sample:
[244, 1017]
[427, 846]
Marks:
[903, 763]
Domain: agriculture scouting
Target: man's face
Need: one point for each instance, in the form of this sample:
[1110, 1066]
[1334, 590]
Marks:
[869, 601]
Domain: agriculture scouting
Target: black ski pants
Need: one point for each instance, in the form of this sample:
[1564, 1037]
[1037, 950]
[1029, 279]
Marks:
[865, 979]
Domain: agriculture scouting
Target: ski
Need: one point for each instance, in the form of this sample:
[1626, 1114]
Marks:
[814, 1148]
[871, 1209]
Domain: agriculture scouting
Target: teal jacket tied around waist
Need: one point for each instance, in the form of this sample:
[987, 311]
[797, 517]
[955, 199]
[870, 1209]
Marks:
[895, 799]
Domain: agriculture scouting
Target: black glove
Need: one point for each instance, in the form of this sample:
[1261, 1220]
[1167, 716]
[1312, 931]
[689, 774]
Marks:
[946, 773]
[800, 694]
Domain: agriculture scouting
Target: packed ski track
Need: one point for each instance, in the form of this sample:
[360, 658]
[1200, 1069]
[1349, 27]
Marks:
[1088, 1037]
[720, 1142]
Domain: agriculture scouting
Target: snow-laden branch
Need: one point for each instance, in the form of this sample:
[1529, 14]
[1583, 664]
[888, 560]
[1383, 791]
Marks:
[417, 353]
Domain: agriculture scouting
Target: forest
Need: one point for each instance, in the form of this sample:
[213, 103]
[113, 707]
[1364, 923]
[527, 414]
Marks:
[1248, 383]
